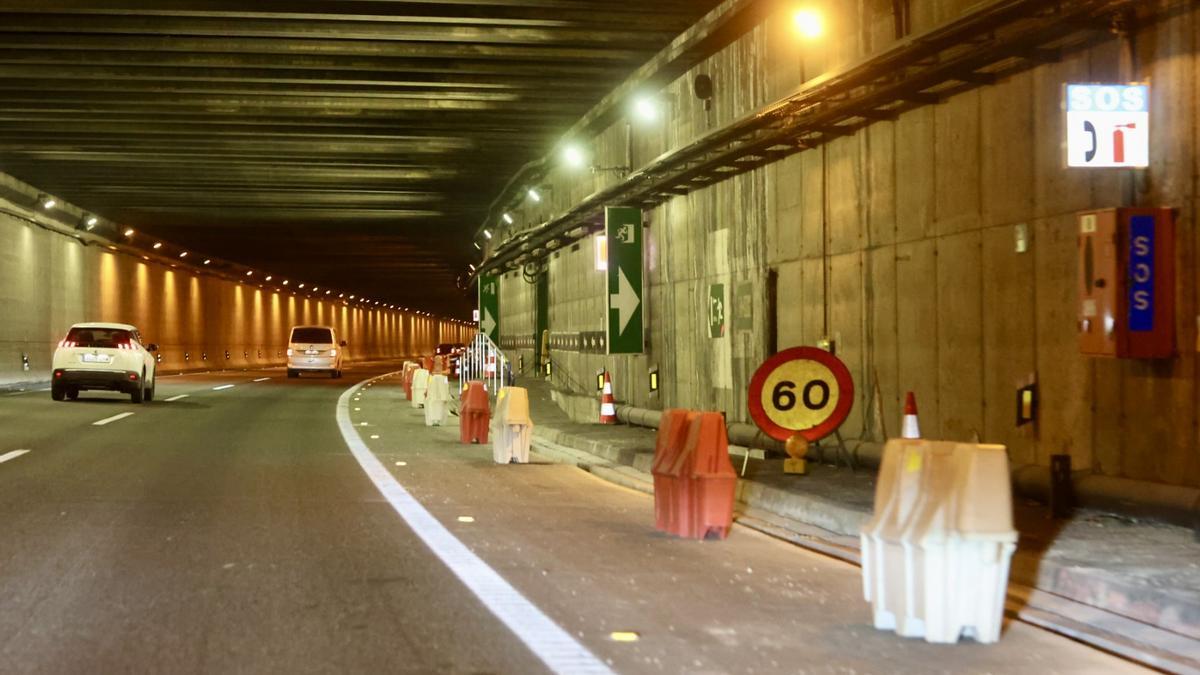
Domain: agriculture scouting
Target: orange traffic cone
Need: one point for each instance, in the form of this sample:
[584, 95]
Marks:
[910, 428]
[608, 407]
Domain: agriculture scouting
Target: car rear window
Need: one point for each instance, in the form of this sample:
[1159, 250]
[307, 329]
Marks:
[444, 348]
[109, 338]
[321, 336]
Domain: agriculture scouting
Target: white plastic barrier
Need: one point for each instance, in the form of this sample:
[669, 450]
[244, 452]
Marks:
[512, 428]
[936, 552]
[420, 386]
[437, 401]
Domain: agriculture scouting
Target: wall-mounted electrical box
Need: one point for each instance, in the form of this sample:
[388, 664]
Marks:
[1127, 283]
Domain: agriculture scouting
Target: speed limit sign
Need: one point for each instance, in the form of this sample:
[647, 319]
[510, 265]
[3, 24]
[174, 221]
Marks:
[802, 390]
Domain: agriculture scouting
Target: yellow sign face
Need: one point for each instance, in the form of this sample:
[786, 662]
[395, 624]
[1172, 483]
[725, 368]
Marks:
[800, 394]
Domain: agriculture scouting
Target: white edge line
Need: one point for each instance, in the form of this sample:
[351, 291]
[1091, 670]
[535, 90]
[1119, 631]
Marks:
[224, 386]
[261, 379]
[114, 418]
[175, 398]
[546, 639]
[12, 454]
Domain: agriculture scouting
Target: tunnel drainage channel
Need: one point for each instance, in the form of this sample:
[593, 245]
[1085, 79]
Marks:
[546, 639]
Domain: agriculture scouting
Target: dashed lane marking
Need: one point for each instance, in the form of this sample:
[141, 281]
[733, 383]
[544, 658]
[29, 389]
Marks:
[12, 454]
[561, 652]
[176, 398]
[224, 386]
[109, 420]
[261, 379]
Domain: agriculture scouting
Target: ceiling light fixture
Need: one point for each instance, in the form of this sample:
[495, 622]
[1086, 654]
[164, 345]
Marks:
[487, 233]
[508, 219]
[645, 109]
[808, 23]
[207, 261]
[573, 156]
[157, 245]
[129, 232]
[533, 194]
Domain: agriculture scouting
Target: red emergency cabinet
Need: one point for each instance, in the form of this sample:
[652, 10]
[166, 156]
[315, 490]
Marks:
[1127, 283]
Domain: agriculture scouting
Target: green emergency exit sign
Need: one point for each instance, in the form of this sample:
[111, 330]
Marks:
[625, 326]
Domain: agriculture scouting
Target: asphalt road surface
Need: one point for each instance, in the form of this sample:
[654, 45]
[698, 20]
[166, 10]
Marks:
[232, 530]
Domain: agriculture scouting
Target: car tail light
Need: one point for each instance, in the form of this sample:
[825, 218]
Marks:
[289, 351]
[124, 345]
[65, 343]
[333, 352]
[133, 377]
[58, 373]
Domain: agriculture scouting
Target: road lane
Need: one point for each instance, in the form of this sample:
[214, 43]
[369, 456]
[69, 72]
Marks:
[232, 532]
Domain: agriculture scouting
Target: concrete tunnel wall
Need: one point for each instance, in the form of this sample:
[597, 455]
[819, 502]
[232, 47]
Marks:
[899, 243]
[49, 280]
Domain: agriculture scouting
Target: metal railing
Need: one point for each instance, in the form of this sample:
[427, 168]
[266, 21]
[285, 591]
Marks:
[484, 361]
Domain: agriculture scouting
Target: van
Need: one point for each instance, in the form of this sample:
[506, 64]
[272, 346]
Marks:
[314, 349]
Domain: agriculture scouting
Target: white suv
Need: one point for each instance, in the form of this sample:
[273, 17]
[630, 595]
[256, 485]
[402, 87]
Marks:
[107, 356]
[314, 348]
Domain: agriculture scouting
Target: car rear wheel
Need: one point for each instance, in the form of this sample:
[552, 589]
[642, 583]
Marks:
[73, 394]
[57, 393]
[292, 373]
[150, 391]
[138, 394]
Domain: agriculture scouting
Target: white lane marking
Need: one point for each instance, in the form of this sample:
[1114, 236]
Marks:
[224, 386]
[114, 418]
[12, 454]
[176, 398]
[546, 639]
[261, 379]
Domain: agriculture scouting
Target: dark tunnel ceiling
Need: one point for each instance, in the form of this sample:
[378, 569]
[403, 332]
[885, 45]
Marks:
[350, 143]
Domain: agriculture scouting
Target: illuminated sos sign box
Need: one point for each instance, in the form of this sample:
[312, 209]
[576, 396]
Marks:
[1108, 125]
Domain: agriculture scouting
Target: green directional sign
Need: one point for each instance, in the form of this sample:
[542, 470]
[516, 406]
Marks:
[489, 306]
[716, 310]
[623, 230]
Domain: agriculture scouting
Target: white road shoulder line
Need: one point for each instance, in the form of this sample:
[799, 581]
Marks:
[12, 454]
[261, 379]
[546, 639]
[176, 398]
[224, 386]
[114, 418]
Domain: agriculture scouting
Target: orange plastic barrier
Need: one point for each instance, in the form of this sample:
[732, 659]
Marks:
[672, 433]
[474, 414]
[699, 478]
[406, 378]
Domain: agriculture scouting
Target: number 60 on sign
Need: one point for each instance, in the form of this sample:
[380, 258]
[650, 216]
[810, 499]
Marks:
[802, 390]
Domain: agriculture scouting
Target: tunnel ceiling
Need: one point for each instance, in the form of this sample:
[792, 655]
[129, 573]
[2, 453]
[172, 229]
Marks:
[351, 143]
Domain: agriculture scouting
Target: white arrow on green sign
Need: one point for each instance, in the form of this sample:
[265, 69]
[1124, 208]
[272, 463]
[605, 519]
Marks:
[489, 306]
[625, 327]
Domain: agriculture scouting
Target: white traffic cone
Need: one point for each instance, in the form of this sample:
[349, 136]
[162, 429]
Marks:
[909, 427]
[608, 407]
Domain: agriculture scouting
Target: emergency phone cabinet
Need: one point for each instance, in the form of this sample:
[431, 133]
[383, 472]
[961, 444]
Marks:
[1127, 283]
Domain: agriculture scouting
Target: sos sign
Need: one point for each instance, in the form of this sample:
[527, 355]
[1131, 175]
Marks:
[802, 390]
[1108, 125]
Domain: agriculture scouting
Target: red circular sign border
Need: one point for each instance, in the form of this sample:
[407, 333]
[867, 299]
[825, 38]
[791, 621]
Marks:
[840, 373]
